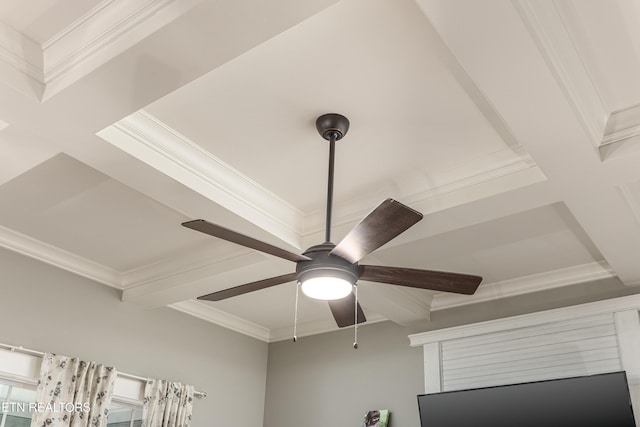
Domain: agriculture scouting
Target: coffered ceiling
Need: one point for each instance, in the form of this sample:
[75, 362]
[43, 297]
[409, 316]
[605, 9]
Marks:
[512, 126]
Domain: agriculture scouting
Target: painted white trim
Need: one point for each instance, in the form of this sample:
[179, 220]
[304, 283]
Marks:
[488, 175]
[527, 284]
[151, 141]
[315, 328]
[220, 318]
[101, 34]
[621, 126]
[186, 262]
[157, 144]
[20, 63]
[628, 331]
[554, 42]
[93, 39]
[631, 200]
[20, 52]
[503, 178]
[44, 252]
[432, 354]
[57, 257]
[169, 289]
[396, 303]
[613, 305]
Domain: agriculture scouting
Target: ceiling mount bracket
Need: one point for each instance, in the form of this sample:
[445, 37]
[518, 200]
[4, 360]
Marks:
[332, 124]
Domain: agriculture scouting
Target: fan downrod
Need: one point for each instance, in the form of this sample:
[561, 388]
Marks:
[332, 123]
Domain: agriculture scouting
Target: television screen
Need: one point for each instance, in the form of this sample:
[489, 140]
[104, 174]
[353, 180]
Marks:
[595, 400]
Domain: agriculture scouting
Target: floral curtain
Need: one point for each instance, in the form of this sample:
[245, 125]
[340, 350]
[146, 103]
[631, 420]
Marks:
[72, 392]
[167, 404]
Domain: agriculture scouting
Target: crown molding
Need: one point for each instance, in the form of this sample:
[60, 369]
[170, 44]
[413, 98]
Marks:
[186, 262]
[621, 131]
[622, 124]
[20, 52]
[548, 30]
[399, 304]
[151, 141]
[65, 260]
[21, 62]
[236, 324]
[631, 200]
[486, 176]
[148, 139]
[101, 34]
[315, 328]
[104, 32]
[498, 177]
[608, 306]
[201, 278]
[527, 284]
[220, 318]
[609, 132]
[57, 257]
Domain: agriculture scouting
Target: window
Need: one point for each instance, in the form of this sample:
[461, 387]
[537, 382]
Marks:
[16, 397]
[124, 415]
[18, 378]
[14, 403]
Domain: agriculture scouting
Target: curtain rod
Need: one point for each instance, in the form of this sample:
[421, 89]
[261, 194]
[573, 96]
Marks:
[198, 394]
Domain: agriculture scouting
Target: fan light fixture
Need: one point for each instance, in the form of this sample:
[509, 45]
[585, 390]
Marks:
[326, 287]
[331, 272]
[326, 276]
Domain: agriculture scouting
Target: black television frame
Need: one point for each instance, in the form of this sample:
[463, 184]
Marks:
[469, 400]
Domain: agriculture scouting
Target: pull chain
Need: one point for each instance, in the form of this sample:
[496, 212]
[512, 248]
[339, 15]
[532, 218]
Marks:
[355, 327]
[295, 318]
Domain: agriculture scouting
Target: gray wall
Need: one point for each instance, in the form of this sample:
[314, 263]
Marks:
[47, 309]
[322, 381]
[318, 381]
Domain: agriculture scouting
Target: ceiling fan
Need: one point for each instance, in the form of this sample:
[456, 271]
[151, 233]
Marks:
[328, 271]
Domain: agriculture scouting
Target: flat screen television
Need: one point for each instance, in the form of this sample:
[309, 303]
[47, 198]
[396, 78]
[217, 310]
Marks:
[595, 400]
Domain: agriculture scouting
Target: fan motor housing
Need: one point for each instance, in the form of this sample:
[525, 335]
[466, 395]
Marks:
[322, 263]
[332, 124]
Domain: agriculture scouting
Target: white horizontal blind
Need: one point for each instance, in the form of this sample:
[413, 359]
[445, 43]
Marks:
[582, 346]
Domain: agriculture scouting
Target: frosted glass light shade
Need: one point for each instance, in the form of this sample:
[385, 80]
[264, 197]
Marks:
[326, 288]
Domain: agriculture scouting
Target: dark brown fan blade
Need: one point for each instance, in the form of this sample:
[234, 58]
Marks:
[249, 287]
[390, 219]
[231, 236]
[422, 279]
[343, 311]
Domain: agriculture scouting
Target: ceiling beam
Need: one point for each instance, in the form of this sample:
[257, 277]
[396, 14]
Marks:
[512, 70]
[211, 276]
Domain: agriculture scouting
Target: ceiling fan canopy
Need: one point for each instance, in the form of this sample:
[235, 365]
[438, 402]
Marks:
[330, 271]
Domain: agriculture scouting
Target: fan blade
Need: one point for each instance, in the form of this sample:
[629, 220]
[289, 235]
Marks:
[390, 219]
[343, 311]
[421, 279]
[231, 236]
[249, 287]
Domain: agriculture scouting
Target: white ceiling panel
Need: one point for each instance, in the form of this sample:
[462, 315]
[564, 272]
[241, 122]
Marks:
[67, 204]
[607, 36]
[528, 243]
[377, 62]
[41, 20]
[488, 117]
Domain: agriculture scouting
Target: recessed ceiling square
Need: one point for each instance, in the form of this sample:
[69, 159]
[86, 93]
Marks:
[414, 125]
[65, 203]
